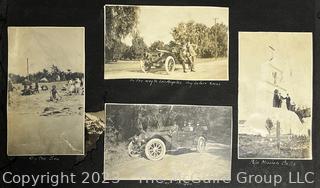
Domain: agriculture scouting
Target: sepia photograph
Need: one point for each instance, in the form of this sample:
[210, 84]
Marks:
[46, 91]
[167, 142]
[275, 95]
[166, 42]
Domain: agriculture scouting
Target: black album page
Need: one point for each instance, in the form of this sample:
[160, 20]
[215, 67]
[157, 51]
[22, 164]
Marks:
[159, 93]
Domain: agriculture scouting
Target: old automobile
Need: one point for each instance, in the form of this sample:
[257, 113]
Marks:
[160, 59]
[154, 145]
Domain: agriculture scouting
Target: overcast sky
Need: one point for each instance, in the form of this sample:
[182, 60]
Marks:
[156, 22]
[44, 46]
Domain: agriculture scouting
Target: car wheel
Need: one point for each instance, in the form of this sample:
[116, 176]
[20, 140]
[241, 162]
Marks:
[201, 146]
[144, 67]
[155, 149]
[169, 64]
[131, 150]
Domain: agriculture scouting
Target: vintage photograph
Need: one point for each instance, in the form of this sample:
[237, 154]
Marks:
[167, 142]
[46, 91]
[275, 95]
[166, 42]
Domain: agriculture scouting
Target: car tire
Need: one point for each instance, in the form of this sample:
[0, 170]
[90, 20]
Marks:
[201, 144]
[131, 150]
[143, 66]
[169, 64]
[155, 149]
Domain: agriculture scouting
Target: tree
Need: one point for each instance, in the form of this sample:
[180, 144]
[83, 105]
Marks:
[55, 72]
[158, 117]
[51, 76]
[120, 22]
[16, 78]
[211, 41]
[138, 47]
[156, 45]
[221, 39]
[120, 51]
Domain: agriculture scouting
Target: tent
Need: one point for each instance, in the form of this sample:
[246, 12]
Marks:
[289, 123]
[43, 79]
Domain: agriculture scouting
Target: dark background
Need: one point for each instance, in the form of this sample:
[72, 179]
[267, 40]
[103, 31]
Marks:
[244, 15]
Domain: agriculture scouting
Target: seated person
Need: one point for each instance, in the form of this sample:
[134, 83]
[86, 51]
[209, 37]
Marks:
[54, 95]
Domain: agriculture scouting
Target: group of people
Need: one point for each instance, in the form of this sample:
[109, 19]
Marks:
[73, 86]
[278, 98]
[301, 112]
[187, 55]
[29, 88]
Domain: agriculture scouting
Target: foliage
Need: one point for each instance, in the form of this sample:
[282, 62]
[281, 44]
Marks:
[137, 49]
[127, 120]
[156, 45]
[256, 146]
[210, 41]
[120, 22]
[51, 76]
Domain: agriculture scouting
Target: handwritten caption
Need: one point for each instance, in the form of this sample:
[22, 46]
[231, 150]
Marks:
[272, 162]
[176, 82]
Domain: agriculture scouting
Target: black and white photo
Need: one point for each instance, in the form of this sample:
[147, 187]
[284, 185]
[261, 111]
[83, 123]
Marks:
[46, 88]
[167, 142]
[275, 95]
[166, 42]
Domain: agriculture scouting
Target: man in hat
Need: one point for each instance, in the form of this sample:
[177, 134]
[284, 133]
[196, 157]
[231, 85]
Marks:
[288, 101]
[191, 53]
[183, 56]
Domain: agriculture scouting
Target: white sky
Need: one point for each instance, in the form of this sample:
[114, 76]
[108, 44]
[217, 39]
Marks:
[156, 22]
[44, 46]
[293, 55]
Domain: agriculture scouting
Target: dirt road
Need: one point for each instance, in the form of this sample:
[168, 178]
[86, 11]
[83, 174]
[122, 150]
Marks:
[214, 164]
[206, 69]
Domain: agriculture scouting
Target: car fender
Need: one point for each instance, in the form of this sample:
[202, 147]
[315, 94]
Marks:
[165, 138]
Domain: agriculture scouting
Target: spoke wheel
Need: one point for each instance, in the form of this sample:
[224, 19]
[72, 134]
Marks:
[144, 66]
[155, 149]
[170, 64]
[132, 151]
[201, 146]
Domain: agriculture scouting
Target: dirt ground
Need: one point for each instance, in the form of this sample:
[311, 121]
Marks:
[256, 146]
[206, 69]
[214, 164]
[34, 131]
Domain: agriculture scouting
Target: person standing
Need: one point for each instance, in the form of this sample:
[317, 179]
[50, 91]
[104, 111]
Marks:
[276, 98]
[36, 87]
[183, 56]
[280, 100]
[191, 55]
[288, 101]
[77, 85]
